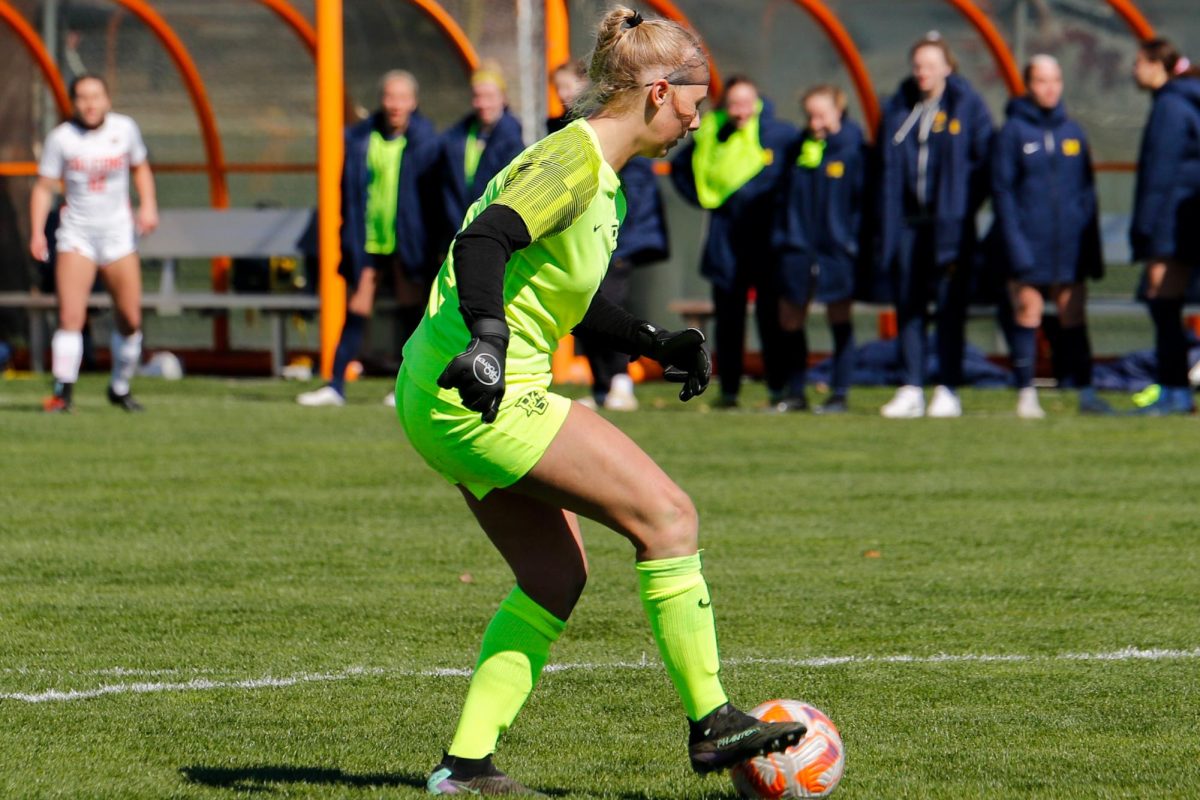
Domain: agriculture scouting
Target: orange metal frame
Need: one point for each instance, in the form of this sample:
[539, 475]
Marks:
[33, 43]
[850, 56]
[451, 28]
[1009, 70]
[1134, 18]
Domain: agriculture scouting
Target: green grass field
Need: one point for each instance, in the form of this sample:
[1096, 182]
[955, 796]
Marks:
[231, 595]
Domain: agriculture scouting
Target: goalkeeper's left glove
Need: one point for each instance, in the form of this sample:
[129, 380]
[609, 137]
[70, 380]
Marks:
[682, 355]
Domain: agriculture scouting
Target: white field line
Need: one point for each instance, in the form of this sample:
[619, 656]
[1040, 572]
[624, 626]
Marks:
[269, 682]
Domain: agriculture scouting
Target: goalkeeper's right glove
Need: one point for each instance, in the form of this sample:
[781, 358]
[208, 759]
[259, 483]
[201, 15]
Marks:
[478, 372]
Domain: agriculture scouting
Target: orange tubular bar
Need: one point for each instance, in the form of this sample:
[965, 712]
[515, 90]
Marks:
[218, 190]
[995, 42]
[1134, 18]
[850, 56]
[33, 43]
[670, 11]
[331, 78]
[447, 23]
[558, 49]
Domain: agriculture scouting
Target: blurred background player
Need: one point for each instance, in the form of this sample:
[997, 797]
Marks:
[473, 150]
[1165, 231]
[90, 157]
[732, 169]
[569, 81]
[818, 239]
[934, 148]
[642, 240]
[1044, 196]
[384, 231]
[523, 272]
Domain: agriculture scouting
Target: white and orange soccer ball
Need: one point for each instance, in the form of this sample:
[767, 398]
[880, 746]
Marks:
[810, 768]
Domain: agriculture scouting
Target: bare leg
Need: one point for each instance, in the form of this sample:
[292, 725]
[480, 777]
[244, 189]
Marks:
[541, 544]
[74, 276]
[123, 278]
[596, 471]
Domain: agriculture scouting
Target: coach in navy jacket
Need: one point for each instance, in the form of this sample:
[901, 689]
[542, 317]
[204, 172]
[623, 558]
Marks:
[934, 149]
[1165, 231]
[1046, 230]
[1044, 196]
[738, 253]
[411, 224]
[739, 231]
[959, 159]
[818, 236]
[820, 219]
[1166, 208]
[496, 134]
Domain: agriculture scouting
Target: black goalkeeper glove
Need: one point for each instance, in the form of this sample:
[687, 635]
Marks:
[682, 355]
[478, 372]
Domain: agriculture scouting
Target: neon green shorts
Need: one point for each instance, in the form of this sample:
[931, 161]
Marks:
[465, 450]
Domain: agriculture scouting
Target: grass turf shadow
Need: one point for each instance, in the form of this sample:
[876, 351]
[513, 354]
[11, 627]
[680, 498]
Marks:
[261, 778]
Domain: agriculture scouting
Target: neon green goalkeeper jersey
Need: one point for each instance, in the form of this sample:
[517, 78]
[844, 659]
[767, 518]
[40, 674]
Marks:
[571, 202]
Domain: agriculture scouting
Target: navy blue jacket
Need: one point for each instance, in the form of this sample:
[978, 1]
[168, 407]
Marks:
[739, 232]
[504, 143]
[643, 235]
[959, 150]
[819, 218]
[1166, 209]
[412, 244]
[1044, 196]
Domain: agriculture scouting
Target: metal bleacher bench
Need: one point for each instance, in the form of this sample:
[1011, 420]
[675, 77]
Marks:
[199, 233]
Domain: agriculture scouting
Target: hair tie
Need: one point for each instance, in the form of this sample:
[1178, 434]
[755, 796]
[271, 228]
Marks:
[1182, 65]
[634, 21]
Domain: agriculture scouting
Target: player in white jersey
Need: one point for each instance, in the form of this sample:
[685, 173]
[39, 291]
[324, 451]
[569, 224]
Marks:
[89, 159]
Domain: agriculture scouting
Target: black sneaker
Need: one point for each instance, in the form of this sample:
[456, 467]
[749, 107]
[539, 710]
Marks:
[834, 405]
[728, 736]
[124, 401]
[473, 776]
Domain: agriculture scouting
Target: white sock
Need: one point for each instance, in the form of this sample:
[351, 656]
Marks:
[126, 355]
[66, 348]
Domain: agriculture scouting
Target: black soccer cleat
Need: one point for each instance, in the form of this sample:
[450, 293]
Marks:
[728, 736]
[473, 776]
[124, 401]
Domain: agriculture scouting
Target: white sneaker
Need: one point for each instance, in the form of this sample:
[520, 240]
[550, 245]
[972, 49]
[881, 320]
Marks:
[588, 402]
[1028, 406]
[908, 403]
[620, 395]
[325, 396]
[945, 403]
[389, 399]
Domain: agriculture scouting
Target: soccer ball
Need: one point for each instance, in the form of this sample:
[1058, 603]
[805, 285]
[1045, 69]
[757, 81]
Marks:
[810, 768]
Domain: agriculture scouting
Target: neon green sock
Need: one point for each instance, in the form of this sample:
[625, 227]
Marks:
[676, 599]
[515, 647]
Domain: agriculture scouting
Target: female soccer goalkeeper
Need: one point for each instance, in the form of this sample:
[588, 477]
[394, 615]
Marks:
[472, 397]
